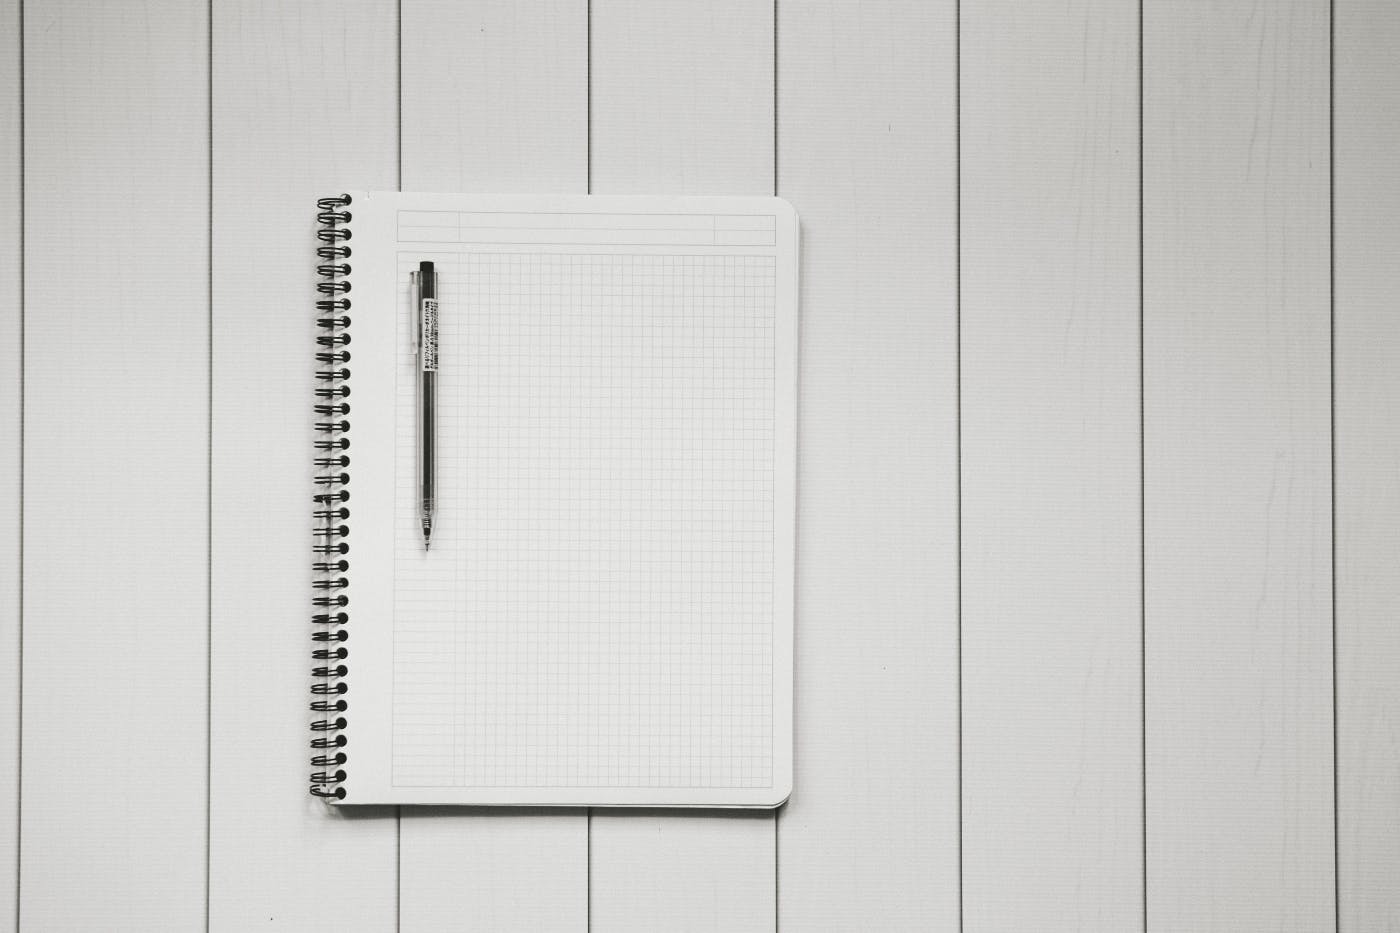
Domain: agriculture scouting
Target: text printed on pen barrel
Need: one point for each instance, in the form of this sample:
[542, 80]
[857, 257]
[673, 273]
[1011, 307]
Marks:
[428, 352]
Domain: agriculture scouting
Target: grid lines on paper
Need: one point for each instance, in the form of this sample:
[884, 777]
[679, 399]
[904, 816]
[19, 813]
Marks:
[597, 607]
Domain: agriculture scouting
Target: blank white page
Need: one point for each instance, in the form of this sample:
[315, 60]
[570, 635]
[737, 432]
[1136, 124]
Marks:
[605, 616]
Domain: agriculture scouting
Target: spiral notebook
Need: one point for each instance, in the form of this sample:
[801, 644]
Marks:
[605, 616]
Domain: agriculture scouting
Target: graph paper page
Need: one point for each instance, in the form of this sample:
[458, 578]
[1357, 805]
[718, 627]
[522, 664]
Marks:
[605, 612]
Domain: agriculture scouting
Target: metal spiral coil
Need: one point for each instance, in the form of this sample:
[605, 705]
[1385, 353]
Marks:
[329, 544]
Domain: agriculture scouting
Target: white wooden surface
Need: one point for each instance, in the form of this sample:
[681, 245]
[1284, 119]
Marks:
[1367, 341]
[1051, 546]
[1237, 495]
[11, 386]
[1064, 663]
[867, 120]
[284, 127]
[116, 464]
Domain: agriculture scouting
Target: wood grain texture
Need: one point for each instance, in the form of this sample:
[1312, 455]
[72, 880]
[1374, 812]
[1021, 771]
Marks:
[659, 870]
[682, 104]
[11, 393]
[682, 97]
[494, 100]
[495, 96]
[472, 868]
[1367, 342]
[116, 466]
[304, 106]
[1051, 566]
[1238, 476]
[866, 153]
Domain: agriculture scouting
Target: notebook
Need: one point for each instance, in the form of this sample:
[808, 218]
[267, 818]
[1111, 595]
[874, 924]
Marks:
[605, 615]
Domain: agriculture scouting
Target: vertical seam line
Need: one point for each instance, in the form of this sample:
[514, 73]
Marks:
[398, 91]
[1142, 452]
[588, 868]
[588, 112]
[957, 289]
[23, 456]
[588, 189]
[777, 814]
[209, 502]
[1332, 435]
[398, 130]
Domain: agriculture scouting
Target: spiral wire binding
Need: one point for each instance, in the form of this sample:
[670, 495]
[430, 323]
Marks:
[330, 512]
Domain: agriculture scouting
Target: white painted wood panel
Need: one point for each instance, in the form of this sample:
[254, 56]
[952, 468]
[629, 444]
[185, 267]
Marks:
[682, 103]
[495, 99]
[1051, 508]
[489, 869]
[659, 870]
[1367, 340]
[1238, 478]
[495, 96]
[116, 466]
[11, 387]
[304, 106]
[682, 97]
[866, 153]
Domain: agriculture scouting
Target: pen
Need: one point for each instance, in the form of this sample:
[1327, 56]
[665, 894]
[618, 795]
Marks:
[425, 300]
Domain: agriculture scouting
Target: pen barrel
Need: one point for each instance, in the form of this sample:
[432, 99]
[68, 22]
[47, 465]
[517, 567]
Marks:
[426, 310]
[427, 425]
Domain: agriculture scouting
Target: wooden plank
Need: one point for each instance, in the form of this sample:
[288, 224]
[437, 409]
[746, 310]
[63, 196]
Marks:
[494, 100]
[867, 155]
[304, 105]
[655, 870]
[1051, 520]
[682, 97]
[682, 104]
[1367, 74]
[495, 96]
[1237, 460]
[11, 387]
[116, 466]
